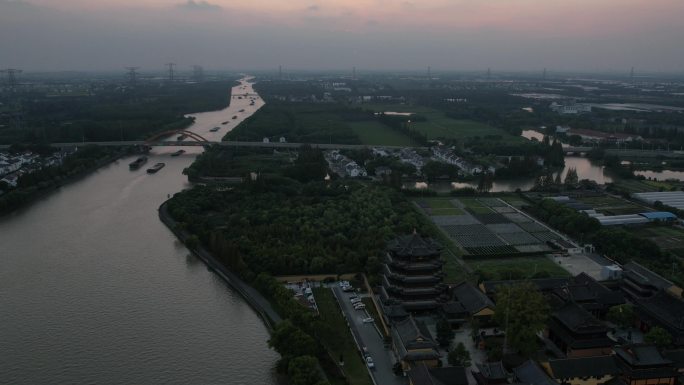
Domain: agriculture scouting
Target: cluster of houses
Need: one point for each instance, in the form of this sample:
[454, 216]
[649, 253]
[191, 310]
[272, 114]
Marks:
[570, 107]
[581, 347]
[12, 166]
[343, 166]
[446, 155]
[410, 156]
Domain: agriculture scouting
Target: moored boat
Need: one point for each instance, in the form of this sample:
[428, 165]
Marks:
[137, 163]
[155, 168]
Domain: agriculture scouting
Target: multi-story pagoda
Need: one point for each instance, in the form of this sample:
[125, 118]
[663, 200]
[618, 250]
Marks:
[412, 274]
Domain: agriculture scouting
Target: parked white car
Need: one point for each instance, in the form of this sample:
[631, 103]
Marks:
[368, 320]
[359, 306]
[356, 300]
[369, 362]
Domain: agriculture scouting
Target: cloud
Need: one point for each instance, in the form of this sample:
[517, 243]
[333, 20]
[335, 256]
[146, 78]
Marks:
[313, 8]
[199, 5]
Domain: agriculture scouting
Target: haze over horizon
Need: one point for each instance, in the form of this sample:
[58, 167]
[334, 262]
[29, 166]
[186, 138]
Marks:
[579, 35]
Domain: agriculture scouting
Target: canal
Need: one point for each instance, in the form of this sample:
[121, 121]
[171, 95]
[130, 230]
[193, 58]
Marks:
[94, 289]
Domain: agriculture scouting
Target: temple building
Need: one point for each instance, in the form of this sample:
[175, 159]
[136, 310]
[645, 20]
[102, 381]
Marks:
[412, 274]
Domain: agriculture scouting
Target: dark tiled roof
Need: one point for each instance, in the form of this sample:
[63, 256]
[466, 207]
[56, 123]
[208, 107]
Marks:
[422, 375]
[647, 276]
[471, 298]
[676, 356]
[584, 367]
[493, 370]
[414, 245]
[664, 308]
[452, 375]
[575, 317]
[531, 373]
[411, 335]
[643, 355]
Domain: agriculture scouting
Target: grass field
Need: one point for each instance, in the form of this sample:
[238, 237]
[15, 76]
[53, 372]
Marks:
[474, 205]
[638, 186]
[376, 133]
[338, 340]
[498, 267]
[440, 206]
[438, 125]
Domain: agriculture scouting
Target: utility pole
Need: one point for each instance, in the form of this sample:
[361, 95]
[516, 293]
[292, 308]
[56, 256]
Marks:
[132, 76]
[171, 67]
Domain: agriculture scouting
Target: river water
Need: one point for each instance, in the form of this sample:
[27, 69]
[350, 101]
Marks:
[94, 289]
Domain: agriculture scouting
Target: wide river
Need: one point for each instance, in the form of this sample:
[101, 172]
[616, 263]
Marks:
[94, 289]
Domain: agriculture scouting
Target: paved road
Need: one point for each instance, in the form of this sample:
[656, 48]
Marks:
[368, 336]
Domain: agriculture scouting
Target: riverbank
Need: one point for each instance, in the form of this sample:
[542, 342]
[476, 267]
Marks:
[260, 304]
[42, 193]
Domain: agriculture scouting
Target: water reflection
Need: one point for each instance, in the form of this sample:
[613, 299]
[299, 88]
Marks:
[585, 170]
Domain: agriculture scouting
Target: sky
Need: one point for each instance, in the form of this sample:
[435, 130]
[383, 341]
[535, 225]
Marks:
[448, 35]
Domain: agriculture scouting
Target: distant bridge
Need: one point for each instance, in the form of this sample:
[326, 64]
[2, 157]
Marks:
[186, 143]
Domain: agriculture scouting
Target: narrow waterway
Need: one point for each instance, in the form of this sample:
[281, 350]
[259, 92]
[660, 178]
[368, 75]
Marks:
[94, 289]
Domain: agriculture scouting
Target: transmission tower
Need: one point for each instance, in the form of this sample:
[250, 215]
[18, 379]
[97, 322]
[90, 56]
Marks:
[429, 73]
[280, 72]
[631, 75]
[489, 73]
[544, 74]
[11, 77]
[198, 73]
[132, 75]
[171, 66]
[353, 73]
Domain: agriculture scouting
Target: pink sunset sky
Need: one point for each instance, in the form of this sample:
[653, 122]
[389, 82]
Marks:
[586, 35]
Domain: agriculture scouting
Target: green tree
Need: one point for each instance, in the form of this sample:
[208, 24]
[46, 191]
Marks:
[523, 311]
[658, 336]
[444, 333]
[289, 340]
[621, 315]
[459, 356]
[571, 178]
[304, 370]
